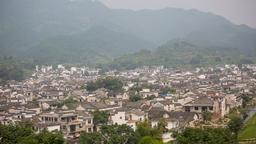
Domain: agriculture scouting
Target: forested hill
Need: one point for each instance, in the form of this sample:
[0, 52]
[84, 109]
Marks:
[183, 53]
[11, 69]
[58, 31]
[98, 44]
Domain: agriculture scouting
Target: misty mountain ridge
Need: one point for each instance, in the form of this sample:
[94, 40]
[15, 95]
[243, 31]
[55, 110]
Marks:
[55, 31]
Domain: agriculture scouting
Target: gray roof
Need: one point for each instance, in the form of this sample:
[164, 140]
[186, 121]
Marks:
[201, 101]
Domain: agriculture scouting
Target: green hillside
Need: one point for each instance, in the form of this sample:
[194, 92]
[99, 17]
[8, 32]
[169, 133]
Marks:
[249, 130]
[97, 45]
[181, 53]
[87, 31]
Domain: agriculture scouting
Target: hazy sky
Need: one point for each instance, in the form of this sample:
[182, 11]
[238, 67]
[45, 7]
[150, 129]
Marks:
[237, 11]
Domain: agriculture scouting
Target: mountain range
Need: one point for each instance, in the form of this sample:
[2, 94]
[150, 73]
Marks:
[86, 31]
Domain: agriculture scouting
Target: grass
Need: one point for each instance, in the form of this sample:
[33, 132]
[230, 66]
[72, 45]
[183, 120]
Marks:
[249, 130]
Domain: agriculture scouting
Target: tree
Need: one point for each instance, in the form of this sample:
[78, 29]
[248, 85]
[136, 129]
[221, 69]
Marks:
[135, 98]
[22, 133]
[245, 100]
[90, 138]
[207, 116]
[112, 84]
[91, 86]
[161, 126]
[166, 90]
[235, 125]
[195, 61]
[144, 129]
[151, 97]
[11, 134]
[109, 83]
[117, 134]
[46, 137]
[149, 140]
[10, 69]
[100, 117]
[110, 134]
[206, 136]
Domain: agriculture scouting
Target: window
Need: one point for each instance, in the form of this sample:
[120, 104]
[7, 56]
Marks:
[120, 117]
[196, 108]
[89, 129]
[204, 108]
[211, 108]
[89, 121]
[187, 109]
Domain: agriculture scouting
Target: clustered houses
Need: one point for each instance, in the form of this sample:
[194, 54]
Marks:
[55, 98]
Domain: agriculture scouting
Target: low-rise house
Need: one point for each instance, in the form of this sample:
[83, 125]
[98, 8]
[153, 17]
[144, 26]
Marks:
[216, 105]
[128, 117]
[175, 120]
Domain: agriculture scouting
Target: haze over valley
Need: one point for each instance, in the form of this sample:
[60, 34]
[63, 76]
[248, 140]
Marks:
[86, 31]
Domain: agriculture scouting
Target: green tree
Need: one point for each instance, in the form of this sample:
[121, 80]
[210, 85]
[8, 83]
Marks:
[151, 97]
[109, 83]
[245, 100]
[117, 134]
[22, 133]
[110, 134]
[161, 126]
[206, 136]
[91, 138]
[235, 125]
[135, 98]
[144, 129]
[149, 140]
[92, 86]
[113, 84]
[166, 90]
[10, 69]
[207, 116]
[100, 117]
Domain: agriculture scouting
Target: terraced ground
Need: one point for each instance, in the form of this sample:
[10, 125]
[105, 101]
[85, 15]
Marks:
[249, 130]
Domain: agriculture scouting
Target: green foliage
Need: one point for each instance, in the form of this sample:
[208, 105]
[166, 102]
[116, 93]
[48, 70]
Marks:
[70, 102]
[117, 134]
[97, 38]
[110, 134]
[166, 90]
[249, 129]
[93, 86]
[100, 117]
[109, 83]
[235, 125]
[206, 136]
[183, 53]
[43, 137]
[161, 126]
[91, 138]
[246, 99]
[22, 133]
[135, 98]
[11, 134]
[207, 116]
[10, 70]
[112, 84]
[144, 129]
[151, 97]
[149, 140]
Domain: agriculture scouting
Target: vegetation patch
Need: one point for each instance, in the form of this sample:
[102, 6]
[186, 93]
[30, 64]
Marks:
[249, 130]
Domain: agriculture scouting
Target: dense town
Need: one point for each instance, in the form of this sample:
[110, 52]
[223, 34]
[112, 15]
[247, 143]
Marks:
[64, 98]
